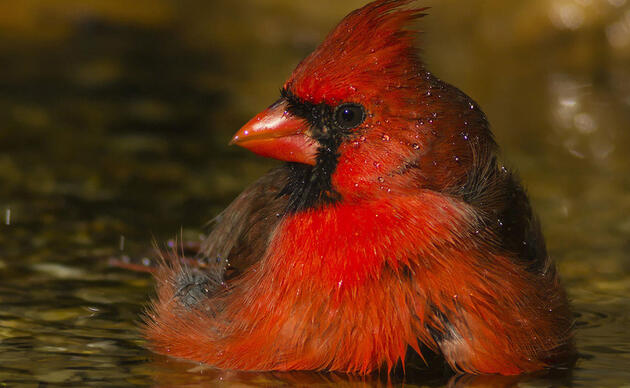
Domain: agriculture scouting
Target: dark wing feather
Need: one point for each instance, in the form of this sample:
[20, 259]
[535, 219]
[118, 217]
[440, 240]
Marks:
[241, 233]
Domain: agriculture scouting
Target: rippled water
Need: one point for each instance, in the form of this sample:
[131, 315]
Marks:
[114, 119]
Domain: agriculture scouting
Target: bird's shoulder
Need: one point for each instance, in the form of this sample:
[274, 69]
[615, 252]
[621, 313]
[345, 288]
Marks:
[240, 234]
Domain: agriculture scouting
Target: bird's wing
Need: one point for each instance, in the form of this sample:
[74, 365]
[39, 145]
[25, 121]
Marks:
[241, 233]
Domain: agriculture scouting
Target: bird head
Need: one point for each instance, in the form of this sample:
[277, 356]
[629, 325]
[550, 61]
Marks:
[361, 116]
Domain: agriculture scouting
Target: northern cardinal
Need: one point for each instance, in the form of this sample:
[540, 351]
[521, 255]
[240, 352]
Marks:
[391, 226]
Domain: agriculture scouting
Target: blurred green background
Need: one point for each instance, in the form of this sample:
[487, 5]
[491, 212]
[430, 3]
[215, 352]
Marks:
[114, 122]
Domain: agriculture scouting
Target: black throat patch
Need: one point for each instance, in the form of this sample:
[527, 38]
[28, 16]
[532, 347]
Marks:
[311, 186]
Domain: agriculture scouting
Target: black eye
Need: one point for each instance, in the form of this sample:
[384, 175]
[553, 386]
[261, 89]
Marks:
[348, 116]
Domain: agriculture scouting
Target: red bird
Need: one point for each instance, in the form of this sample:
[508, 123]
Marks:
[391, 226]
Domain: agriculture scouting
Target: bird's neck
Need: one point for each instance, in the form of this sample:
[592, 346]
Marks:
[310, 187]
[346, 244]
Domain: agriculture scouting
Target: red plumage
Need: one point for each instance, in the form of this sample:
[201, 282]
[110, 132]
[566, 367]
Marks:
[399, 232]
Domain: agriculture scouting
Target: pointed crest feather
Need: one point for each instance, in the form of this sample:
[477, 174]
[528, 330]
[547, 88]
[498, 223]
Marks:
[368, 43]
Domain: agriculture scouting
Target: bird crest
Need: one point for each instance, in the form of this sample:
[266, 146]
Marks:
[369, 43]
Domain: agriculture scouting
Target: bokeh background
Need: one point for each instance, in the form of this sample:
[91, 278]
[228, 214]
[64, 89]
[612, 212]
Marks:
[114, 122]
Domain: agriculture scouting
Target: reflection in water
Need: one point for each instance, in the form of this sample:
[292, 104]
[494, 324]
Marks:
[114, 122]
[168, 372]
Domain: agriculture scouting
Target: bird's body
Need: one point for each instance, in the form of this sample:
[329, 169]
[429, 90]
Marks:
[391, 226]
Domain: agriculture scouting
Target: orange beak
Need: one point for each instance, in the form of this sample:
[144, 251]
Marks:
[276, 133]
